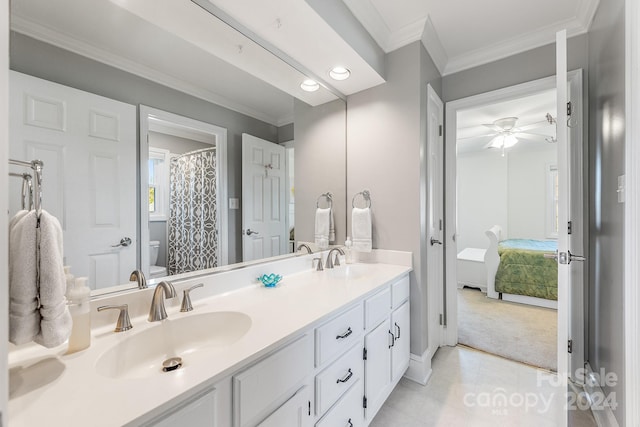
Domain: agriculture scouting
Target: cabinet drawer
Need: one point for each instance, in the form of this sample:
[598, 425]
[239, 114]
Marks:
[334, 381]
[377, 307]
[347, 412]
[400, 291]
[339, 334]
[268, 383]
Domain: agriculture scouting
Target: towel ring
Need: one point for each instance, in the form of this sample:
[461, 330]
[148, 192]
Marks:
[366, 195]
[328, 196]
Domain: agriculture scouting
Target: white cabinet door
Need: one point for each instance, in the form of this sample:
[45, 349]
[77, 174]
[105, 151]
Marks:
[295, 412]
[377, 367]
[400, 350]
[199, 412]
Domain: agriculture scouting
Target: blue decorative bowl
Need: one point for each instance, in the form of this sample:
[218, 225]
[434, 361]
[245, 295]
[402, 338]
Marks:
[270, 280]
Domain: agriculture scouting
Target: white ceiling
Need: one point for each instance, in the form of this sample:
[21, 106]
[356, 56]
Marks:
[473, 136]
[175, 43]
[460, 34]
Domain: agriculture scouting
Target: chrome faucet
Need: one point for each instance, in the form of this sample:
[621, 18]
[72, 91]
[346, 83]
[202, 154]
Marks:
[305, 246]
[157, 311]
[138, 276]
[330, 263]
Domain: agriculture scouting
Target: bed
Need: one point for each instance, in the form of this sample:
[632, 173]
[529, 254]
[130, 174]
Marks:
[519, 271]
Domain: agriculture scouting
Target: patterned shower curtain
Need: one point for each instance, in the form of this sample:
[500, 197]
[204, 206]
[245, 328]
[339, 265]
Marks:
[193, 212]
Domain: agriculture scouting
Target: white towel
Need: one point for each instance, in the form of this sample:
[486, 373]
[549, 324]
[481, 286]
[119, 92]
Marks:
[361, 229]
[325, 228]
[24, 317]
[55, 326]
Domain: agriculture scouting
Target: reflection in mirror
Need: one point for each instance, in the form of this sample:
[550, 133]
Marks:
[119, 178]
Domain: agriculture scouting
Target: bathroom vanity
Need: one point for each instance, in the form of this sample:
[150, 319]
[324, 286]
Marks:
[320, 349]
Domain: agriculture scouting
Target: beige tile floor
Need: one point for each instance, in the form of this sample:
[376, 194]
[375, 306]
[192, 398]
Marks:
[473, 388]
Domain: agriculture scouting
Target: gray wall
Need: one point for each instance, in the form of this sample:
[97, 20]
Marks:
[29, 56]
[523, 67]
[320, 164]
[385, 132]
[607, 162]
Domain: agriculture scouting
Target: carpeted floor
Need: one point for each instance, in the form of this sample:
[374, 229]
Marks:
[520, 332]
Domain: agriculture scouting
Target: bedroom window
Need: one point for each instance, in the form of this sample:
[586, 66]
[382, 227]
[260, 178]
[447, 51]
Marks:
[552, 201]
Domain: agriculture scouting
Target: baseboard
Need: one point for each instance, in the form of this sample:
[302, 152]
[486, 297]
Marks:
[600, 409]
[419, 370]
[522, 299]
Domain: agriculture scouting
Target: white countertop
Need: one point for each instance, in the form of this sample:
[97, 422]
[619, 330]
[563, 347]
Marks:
[53, 389]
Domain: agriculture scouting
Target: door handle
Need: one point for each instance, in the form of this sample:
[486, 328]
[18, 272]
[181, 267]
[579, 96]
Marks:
[567, 257]
[434, 241]
[125, 241]
[249, 232]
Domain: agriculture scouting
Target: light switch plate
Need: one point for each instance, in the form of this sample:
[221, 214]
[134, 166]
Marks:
[620, 189]
[234, 203]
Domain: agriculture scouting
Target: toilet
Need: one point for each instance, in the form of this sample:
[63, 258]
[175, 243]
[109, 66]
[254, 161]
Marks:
[155, 270]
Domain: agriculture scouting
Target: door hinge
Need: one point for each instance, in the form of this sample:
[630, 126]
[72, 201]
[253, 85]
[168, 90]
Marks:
[309, 408]
[364, 402]
[440, 225]
[570, 346]
[569, 227]
[569, 109]
[364, 353]
[440, 130]
[441, 320]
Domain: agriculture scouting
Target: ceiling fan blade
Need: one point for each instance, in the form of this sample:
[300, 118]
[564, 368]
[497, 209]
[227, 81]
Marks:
[533, 134]
[476, 136]
[534, 125]
[493, 127]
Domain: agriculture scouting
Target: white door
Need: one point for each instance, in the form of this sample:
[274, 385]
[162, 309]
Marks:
[434, 221]
[570, 218]
[88, 146]
[264, 222]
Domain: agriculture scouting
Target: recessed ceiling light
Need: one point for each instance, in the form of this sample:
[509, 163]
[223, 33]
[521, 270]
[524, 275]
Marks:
[310, 85]
[339, 73]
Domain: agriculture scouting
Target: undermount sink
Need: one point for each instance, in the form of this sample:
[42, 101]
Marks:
[141, 355]
[350, 271]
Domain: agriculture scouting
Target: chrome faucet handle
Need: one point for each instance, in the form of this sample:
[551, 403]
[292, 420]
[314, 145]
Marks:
[157, 311]
[319, 268]
[336, 261]
[186, 299]
[138, 276]
[123, 323]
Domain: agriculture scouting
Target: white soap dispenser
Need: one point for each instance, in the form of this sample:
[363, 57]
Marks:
[80, 309]
[348, 252]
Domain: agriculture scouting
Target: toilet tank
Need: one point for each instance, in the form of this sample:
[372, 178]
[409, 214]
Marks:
[154, 246]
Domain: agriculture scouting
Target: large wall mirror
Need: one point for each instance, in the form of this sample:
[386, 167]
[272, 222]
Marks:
[172, 143]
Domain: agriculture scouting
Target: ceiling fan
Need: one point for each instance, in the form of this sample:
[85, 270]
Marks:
[505, 132]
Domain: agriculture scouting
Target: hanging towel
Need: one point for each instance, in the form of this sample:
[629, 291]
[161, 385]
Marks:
[55, 326]
[361, 229]
[24, 317]
[325, 227]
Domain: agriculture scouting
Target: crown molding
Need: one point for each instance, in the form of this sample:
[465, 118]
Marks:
[513, 46]
[433, 45]
[87, 50]
[370, 18]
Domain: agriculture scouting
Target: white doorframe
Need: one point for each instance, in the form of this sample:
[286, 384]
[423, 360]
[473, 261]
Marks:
[220, 135]
[512, 92]
[4, 207]
[632, 216]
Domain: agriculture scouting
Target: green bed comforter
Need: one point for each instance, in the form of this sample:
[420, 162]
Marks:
[527, 272]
